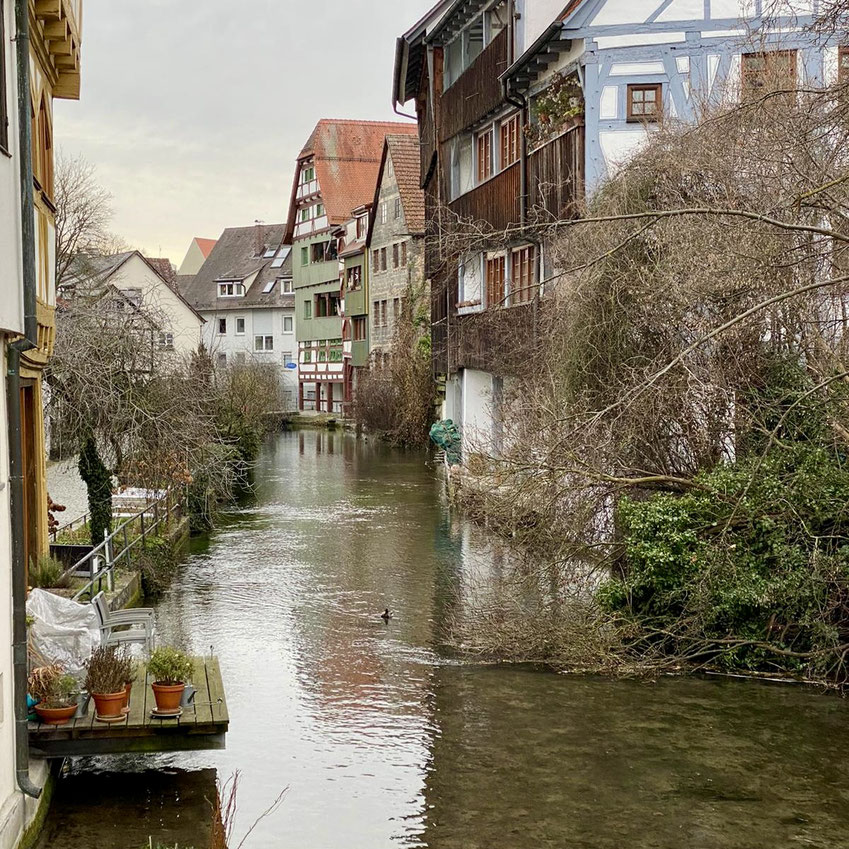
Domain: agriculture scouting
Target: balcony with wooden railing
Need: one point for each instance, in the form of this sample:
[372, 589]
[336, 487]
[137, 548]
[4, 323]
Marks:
[477, 91]
[556, 177]
[495, 203]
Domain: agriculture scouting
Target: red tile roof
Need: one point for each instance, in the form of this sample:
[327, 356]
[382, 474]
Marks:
[205, 245]
[163, 268]
[347, 158]
[406, 160]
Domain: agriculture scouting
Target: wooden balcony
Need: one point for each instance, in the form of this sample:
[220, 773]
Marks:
[494, 205]
[556, 177]
[477, 91]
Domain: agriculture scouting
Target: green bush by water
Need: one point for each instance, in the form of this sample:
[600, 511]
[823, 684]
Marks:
[753, 566]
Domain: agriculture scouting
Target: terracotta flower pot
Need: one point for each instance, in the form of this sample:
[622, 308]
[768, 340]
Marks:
[125, 708]
[55, 716]
[168, 697]
[108, 705]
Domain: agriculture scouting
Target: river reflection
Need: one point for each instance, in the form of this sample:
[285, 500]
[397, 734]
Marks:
[384, 740]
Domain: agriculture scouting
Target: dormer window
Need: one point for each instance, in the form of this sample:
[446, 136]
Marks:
[231, 289]
[362, 226]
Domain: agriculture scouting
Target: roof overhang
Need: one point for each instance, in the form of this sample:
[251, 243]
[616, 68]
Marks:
[536, 60]
[461, 13]
[409, 54]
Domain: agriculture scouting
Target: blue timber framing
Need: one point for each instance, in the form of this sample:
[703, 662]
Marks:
[695, 60]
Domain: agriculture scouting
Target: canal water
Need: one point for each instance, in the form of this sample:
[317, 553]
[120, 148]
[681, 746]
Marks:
[384, 739]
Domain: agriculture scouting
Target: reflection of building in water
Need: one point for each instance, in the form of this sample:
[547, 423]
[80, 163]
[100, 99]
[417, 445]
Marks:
[156, 807]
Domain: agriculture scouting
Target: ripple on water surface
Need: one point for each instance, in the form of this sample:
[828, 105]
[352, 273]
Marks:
[382, 741]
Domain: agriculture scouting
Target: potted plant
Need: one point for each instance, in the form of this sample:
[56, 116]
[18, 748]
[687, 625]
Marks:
[128, 684]
[107, 672]
[59, 701]
[170, 669]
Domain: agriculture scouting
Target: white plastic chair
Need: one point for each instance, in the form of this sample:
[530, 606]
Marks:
[135, 624]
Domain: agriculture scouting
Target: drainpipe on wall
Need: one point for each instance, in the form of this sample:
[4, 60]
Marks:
[520, 101]
[13, 404]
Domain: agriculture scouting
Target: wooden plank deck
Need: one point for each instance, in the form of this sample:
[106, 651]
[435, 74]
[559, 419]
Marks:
[203, 724]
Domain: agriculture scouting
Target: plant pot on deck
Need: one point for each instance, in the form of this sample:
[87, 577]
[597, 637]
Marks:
[109, 706]
[56, 716]
[168, 697]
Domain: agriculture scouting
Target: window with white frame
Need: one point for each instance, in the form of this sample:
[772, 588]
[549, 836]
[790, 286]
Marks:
[231, 289]
[288, 323]
[462, 165]
[287, 358]
[484, 165]
[263, 343]
[362, 226]
[240, 327]
[307, 174]
[286, 285]
[469, 283]
[461, 52]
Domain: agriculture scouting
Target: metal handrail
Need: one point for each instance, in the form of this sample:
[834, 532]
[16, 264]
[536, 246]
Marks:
[54, 534]
[104, 550]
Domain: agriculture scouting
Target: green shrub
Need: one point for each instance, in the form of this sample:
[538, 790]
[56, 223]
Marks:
[47, 573]
[760, 557]
[168, 665]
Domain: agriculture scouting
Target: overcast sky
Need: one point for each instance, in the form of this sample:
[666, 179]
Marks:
[193, 111]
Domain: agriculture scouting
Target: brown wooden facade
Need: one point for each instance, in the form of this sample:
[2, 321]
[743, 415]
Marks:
[552, 179]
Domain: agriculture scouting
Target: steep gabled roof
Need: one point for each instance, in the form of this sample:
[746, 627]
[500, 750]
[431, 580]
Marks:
[347, 157]
[93, 271]
[205, 245]
[163, 268]
[236, 257]
[405, 153]
[406, 161]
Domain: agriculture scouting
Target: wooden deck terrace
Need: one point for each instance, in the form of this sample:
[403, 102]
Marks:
[203, 723]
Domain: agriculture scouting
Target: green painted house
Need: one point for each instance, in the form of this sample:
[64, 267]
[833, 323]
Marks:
[335, 176]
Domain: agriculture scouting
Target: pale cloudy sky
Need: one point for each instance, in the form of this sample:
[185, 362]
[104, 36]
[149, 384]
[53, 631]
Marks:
[193, 111]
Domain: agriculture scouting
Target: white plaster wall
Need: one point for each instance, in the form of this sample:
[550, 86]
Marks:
[477, 411]
[267, 322]
[537, 15]
[167, 306]
[618, 146]
[193, 260]
[11, 292]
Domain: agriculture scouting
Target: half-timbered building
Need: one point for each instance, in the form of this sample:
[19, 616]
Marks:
[524, 108]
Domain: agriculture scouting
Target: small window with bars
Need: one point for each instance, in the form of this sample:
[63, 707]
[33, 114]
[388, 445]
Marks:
[484, 155]
[523, 285]
[495, 269]
[510, 141]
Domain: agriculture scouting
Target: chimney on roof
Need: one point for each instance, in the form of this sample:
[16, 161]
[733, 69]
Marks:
[259, 238]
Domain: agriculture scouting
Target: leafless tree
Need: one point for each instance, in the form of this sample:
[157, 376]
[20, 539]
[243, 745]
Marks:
[83, 214]
[719, 251]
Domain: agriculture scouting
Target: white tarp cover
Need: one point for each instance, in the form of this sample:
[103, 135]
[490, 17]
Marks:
[63, 631]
